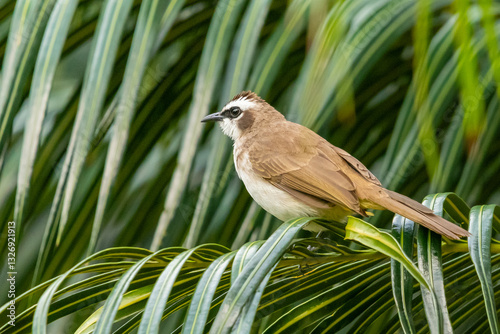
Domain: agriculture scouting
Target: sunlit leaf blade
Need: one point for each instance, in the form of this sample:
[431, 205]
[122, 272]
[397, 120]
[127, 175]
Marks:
[153, 311]
[249, 279]
[430, 265]
[115, 269]
[429, 260]
[402, 282]
[29, 20]
[482, 218]
[199, 308]
[366, 284]
[145, 36]
[244, 254]
[21, 21]
[368, 235]
[246, 319]
[237, 71]
[130, 305]
[110, 308]
[385, 243]
[98, 72]
[277, 47]
[46, 63]
[42, 309]
[216, 44]
[104, 47]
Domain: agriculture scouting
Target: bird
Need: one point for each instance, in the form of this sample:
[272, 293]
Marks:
[291, 171]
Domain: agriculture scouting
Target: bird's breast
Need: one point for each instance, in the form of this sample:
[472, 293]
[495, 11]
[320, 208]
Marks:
[274, 200]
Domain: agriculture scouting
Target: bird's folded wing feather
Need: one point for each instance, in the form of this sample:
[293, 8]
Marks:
[307, 168]
[357, 166]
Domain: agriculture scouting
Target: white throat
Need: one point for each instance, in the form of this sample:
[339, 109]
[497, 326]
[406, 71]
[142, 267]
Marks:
[230, 128]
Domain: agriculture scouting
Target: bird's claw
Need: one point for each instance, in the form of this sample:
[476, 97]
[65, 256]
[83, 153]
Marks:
[312, 248]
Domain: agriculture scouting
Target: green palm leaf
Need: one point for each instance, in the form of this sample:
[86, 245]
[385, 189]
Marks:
[483, 219]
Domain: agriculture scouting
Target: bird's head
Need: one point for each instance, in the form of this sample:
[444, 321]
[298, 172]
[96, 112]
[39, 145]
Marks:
[242, 114]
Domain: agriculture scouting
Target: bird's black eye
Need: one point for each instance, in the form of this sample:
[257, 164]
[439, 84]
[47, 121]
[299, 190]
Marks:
[234, 112]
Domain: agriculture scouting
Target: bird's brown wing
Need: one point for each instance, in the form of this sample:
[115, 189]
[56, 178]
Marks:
[357, 166]
[305, 166]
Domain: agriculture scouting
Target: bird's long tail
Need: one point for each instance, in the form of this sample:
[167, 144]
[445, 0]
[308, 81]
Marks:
[420, 214]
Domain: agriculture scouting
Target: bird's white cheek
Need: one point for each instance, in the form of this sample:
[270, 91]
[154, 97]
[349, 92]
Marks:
[229, 128]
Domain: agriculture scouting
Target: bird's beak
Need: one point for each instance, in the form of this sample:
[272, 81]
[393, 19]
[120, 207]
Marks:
[216, 117]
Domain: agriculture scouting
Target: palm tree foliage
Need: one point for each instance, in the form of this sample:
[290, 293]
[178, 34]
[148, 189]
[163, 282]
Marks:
[103, 157]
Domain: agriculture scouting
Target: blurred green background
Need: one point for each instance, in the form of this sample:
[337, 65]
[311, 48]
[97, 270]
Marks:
[101, 143]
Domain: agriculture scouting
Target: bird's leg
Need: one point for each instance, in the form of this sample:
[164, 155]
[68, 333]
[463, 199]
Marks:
[301, 271]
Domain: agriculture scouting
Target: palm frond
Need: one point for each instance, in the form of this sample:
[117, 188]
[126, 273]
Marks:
[102, 152]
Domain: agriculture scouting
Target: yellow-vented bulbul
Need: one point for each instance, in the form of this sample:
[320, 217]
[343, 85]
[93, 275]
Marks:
[293, 172]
